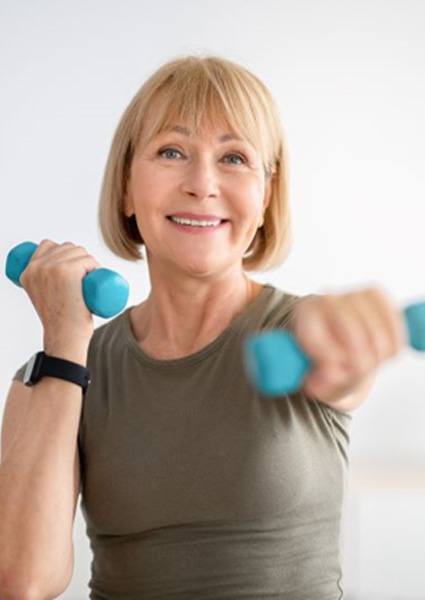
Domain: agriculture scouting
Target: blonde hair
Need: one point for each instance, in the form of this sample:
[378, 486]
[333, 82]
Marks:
[185, 89]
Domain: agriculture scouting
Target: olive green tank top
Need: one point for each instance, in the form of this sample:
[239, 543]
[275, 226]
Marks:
[197, 486]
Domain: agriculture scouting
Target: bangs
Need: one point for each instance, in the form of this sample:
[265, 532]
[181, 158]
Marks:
[199, 100]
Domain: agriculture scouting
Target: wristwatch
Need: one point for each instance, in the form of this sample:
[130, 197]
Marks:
[42, 364]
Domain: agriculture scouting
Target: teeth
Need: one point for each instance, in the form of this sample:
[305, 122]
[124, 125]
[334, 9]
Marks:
[184, 221]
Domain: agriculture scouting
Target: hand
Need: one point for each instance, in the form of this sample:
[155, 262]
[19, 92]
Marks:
[53, 281]
[347, 336]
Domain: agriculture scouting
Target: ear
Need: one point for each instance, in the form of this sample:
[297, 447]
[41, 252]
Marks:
[127, 204]
[266, 201]
[268, 193]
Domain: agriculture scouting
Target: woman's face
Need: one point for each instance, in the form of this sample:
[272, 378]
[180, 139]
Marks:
[203, 175]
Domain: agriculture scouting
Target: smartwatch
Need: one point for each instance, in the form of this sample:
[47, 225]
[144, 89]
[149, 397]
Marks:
[42, 364]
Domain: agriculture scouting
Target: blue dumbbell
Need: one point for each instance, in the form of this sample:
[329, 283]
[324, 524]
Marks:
[104, 291]
[276, 364]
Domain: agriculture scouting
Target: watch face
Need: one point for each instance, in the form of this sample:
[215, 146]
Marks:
[33, 369]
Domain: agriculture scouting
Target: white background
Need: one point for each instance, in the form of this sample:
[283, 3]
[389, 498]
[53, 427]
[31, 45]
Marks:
[349, 80]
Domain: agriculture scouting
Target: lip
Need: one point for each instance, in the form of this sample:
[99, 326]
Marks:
[198, 217]
[198, 230]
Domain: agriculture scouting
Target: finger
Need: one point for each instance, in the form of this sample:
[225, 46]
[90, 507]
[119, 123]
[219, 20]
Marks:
[378, 329]
[44, 253]
[43, 247]
[48, 247]
[312, 331]
[363, 325]
[395, 324]
[54, 251]
[344, 323]
[347, 352]
[65, 249]
[353, 322]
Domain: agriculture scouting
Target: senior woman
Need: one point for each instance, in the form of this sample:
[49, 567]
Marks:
[194, 485]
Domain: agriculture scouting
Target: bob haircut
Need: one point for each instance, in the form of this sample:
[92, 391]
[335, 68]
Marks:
[185, 90]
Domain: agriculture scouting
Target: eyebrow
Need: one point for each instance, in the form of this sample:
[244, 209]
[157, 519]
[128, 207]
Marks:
[185, 131]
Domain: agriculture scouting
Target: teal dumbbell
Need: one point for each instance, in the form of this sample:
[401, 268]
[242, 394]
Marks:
[276, 364]
[104, 291]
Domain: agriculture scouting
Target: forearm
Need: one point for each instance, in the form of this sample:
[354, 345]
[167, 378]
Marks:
[37, 488]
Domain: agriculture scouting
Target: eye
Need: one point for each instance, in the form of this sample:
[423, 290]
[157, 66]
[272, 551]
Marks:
[170, 149]
[161, 152]
[242, 158]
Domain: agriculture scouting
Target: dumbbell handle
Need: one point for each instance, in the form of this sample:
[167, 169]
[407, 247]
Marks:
[276, 364]
[105, 292]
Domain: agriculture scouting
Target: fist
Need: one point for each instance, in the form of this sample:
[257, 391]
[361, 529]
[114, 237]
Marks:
[347, 336]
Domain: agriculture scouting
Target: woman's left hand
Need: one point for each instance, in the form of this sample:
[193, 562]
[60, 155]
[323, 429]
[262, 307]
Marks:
[347, 336]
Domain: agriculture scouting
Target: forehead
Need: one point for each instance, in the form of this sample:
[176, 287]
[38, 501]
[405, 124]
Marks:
[220, 137]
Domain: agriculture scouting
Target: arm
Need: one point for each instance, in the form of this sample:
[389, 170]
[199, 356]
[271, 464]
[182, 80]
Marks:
[39, 485]
[348, 337]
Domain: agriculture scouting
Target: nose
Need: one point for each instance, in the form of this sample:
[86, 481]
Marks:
[201, 179]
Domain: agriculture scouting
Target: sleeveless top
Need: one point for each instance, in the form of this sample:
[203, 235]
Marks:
[197, 486]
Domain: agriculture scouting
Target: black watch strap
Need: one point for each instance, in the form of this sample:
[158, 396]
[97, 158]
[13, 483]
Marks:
[42, 364]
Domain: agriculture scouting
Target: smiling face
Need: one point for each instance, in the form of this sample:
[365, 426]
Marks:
[209, 174]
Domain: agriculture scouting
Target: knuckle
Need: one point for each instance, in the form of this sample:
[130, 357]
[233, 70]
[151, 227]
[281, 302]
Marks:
[79, 247]
[378, 293]
[24, 278]
[327, 300]
[373, 289]
[48, 245]
[318, 308]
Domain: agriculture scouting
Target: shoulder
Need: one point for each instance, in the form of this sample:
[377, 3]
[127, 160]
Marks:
[279, 309]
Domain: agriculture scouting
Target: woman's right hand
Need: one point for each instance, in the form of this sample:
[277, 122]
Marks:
[53, 281]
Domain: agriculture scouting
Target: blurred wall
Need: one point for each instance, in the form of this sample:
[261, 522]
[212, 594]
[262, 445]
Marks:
[349, 79]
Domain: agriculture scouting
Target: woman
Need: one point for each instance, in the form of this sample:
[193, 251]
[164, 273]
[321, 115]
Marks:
[194, 485]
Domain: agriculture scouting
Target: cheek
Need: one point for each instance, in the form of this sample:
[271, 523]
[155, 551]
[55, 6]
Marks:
[150, 191]
[146, 185]
[249, 206]
[146, 179]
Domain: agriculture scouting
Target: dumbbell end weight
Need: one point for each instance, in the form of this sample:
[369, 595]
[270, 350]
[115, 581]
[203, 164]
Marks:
[274, 362]
[105, 292]
[17, 261]
[414, 315]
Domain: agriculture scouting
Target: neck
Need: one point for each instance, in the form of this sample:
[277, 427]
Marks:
[177, 320]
